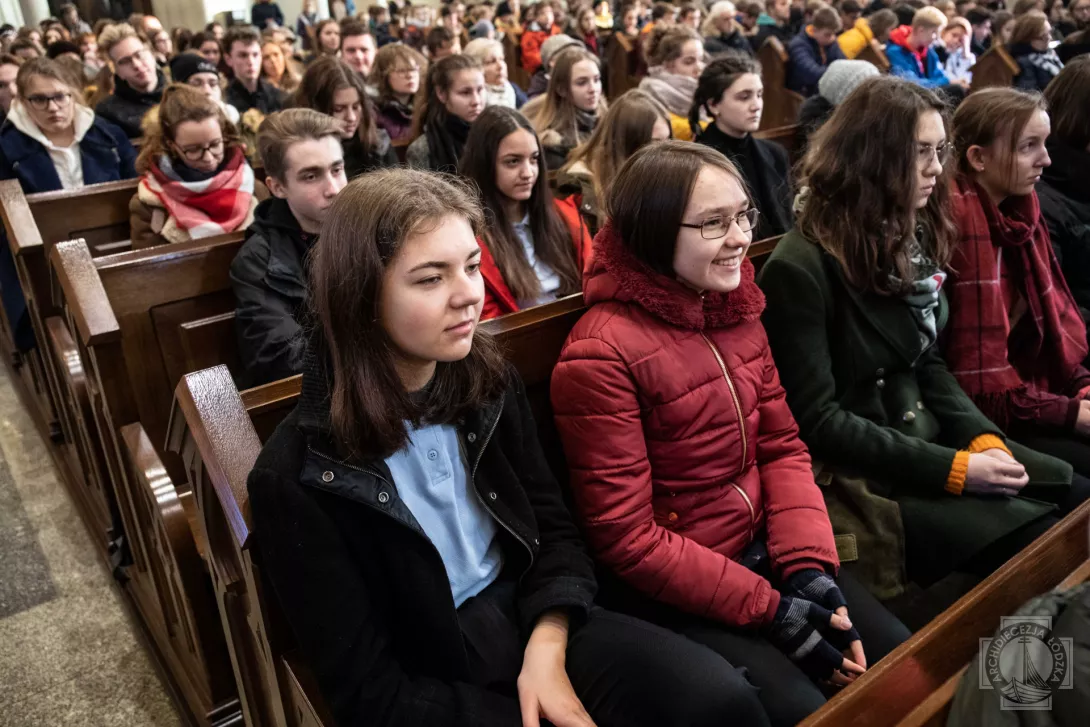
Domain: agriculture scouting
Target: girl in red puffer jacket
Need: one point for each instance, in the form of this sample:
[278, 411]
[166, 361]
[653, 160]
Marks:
[692, 484]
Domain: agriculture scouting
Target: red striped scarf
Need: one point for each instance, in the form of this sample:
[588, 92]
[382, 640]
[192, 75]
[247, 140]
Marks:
[215, 206]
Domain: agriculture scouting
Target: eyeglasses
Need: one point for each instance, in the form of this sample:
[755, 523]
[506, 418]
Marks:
[196, 153]
[925, 153]
[40, 102]
[405, 71]
[715, 227]
[128, 61]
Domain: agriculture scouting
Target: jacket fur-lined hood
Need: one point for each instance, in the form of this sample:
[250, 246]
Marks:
[617, 275]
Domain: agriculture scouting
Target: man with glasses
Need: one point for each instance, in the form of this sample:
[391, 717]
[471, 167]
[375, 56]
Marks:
[138, 83]
[242, 46]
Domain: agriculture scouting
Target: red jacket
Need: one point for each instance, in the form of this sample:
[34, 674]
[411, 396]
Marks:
[680, 443]
[531, 41]
[498, 299]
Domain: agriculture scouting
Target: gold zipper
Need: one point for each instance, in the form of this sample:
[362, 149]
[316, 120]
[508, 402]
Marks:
[741, 428]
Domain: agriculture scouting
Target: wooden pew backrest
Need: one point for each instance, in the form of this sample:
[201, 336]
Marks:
[995, 67]
[781, 105]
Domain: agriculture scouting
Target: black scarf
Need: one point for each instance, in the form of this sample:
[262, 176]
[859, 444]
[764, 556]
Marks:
[585, 121]
[1069, 173]
[769, 186]
[446, 141]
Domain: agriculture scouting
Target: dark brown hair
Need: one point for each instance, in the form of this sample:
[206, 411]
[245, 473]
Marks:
[1068, 98]
[861, 173]
[1028, 27]
[647, 200]
[552, 240]
[245, 34]
[365, 227]
[180, 103]
[666, 42]
[321, 81]
[716, 79]
[319, 49]
[427, 108]
[991, 115]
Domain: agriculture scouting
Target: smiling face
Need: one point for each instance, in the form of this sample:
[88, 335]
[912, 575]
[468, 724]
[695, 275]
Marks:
[465, 98]
[517, 165]
[930, 138]
[586, 85]
[690, 62]
[358, 51]
[348, 110]
[712, 265]
[738, 110]
[432, 294]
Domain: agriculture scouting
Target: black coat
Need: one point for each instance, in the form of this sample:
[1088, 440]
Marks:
[126, 106]
[1064, 193]
[727, 42]
[364, 590]
[358, 160]
[266, 99]
[765, 168]
[270, 282]
[1035, 73]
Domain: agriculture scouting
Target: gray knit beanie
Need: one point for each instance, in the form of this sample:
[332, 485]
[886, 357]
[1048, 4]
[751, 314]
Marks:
[555, 44]
[842, 77]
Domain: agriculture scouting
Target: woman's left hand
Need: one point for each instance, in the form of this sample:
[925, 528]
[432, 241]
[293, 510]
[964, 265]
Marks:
[543, 685]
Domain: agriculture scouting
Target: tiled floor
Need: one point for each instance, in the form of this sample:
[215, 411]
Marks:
[69, 656]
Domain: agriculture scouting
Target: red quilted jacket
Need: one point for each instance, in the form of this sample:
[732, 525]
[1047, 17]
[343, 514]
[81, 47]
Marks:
[680, 443]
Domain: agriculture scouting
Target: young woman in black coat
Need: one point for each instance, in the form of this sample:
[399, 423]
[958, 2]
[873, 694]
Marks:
[730, 92]
[408, 522]
[1064, 189]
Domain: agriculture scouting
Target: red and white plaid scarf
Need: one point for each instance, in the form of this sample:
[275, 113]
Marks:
[214, 206]
[1011, 244]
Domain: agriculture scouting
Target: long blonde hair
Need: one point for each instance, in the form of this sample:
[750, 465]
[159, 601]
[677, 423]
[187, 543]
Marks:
[556, 112]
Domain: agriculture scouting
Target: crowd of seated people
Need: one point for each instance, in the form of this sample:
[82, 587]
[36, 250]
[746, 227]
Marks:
[907, 368]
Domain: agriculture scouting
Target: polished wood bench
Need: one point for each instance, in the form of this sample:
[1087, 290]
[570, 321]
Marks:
[995, 67]
[786, 136]
[128, 315]
[875, 54]
[781, 104]
[620, 58]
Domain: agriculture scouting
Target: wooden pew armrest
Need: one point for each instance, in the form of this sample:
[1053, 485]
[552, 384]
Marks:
[19, 222]
[86, 299]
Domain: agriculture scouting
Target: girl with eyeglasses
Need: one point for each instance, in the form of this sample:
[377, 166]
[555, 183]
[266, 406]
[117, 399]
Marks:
[52, 141]
[1030, 46]
[692, 485]
[396, 74]
[731, 93]
[533, 249]
[1016, 340]
[195, 181]
[917, 476]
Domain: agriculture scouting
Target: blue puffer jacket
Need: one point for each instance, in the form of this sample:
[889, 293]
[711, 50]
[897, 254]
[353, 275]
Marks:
[904, 62]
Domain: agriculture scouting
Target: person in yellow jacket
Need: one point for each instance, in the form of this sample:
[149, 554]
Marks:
[876, 27]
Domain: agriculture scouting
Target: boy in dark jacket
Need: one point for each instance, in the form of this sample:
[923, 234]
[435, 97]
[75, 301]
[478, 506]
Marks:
[248, 90]
[266, 14]
[301, 150]
[812, 51]
[138, 83]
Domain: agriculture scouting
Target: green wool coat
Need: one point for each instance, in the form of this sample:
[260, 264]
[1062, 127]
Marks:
[869, 404]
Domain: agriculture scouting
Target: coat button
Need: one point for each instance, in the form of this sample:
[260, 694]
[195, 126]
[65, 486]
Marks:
[492, 496]
[432, 454]
[537, 542]
[672, 517]
[471, 437]
[383, 497]
[327, 476]
[909, 417]
[880, 373]
[919, 405]
[880, 383]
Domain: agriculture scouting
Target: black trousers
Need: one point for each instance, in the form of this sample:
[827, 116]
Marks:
[627, 672]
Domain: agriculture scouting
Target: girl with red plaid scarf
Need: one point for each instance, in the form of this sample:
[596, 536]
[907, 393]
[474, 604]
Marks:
[1016, 339]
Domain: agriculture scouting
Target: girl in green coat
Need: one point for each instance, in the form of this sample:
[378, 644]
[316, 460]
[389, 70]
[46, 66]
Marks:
[855, 307]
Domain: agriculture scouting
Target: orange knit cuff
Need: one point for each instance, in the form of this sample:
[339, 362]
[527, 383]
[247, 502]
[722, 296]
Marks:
[955, 483]
[988, 441]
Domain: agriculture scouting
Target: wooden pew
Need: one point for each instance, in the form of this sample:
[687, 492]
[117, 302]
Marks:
[129, 317]
[781, 105]
[217, 432]
[915, 684]
[785, 136]
[874, 54]
[995, 67]
[512, 54]
[34, 224]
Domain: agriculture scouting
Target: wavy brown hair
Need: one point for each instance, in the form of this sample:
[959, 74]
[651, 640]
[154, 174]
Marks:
[861, 175]
[1068, 97]
[366, 226]
[180, 103]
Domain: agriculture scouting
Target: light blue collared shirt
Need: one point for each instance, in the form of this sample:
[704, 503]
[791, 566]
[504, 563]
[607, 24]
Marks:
[550, 281]
[432, 479]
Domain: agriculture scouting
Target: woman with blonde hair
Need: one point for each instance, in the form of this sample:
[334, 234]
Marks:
[675, 57]
[567, 114]
[275, 68]
[499, 91]
[633, 120]
[195, 181]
